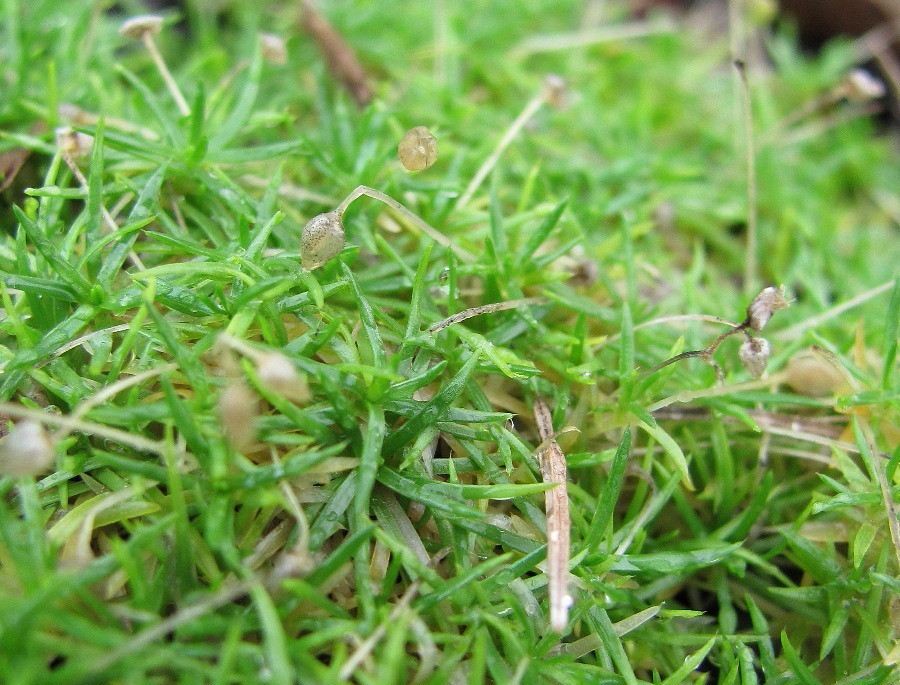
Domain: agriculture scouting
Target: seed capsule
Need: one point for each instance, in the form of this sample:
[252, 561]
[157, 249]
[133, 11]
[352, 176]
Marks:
[277, 372]
[238, 408]
[26, 451]
[418, 149]
[322, 240]
[769, 301]
[754, 355]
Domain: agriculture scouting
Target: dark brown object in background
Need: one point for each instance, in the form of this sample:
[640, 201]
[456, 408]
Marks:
[339, 56]
[820, 20]
[817, 20]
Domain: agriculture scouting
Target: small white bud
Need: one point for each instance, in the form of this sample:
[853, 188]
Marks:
[273, 48]
[418, 149]
[26, 451]
[277, 372]
[136, 27]
[769, 301]
[237, 410]
[322, 240]
[860, 86]
[754, 355]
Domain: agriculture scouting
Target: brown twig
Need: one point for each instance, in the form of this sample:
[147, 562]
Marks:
[339, 56]
[483, 309]
[553, 470]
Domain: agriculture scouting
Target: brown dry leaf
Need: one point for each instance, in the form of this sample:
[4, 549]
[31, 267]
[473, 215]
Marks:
[339, 56]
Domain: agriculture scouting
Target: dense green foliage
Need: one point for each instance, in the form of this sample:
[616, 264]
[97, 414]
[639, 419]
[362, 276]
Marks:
[742, 537]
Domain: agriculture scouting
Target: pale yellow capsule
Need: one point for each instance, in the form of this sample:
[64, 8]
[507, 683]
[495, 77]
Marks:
[322, 239]
[418, 149]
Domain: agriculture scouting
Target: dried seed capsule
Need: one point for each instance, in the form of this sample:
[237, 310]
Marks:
[26, 451]
[136, 27]
[754, 355]
[237, 410]
[74, 143]
[418, 149]
[860, 86]
[769, 301]
[273, 48]
[277, 372]
[322, 239]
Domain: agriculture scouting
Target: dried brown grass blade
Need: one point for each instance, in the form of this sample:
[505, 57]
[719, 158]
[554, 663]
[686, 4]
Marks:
[339, 56]
[553, 470]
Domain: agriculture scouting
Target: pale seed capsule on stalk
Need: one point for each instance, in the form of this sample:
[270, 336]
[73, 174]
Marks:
[322, 239]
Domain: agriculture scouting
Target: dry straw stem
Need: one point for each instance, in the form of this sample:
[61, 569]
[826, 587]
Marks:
[877, 465]
[339, 56]
[79, 117]
[483, 309]
[226, 595]
[549, 91]
[144, 28]
[410, 216]
[587, 37]
[553, 470]
[98, 429]
[738, 41]
[65, 150]
[795, 331]
[367, 646]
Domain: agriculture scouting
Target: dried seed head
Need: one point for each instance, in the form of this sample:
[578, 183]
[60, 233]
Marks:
[136, 27]
[26, 451]
[754, 355]
[418, 149]
[860, 86]
[273, 48]
[769, 301]
[277, 372]
[555, 92]
[237, 410]
[813, 375]
[322, 239]
[73, 143]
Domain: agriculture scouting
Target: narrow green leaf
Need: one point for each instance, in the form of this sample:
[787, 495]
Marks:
[690, 664]
[539, 235]
[274, 639]
[433, 409]
[600, 623]
[802, 671]
[369, 463]
[56, 261]
[607, 501]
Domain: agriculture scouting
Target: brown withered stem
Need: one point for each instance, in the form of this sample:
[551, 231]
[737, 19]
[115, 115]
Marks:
[553, 470]
[760, 310]
[339, 56]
